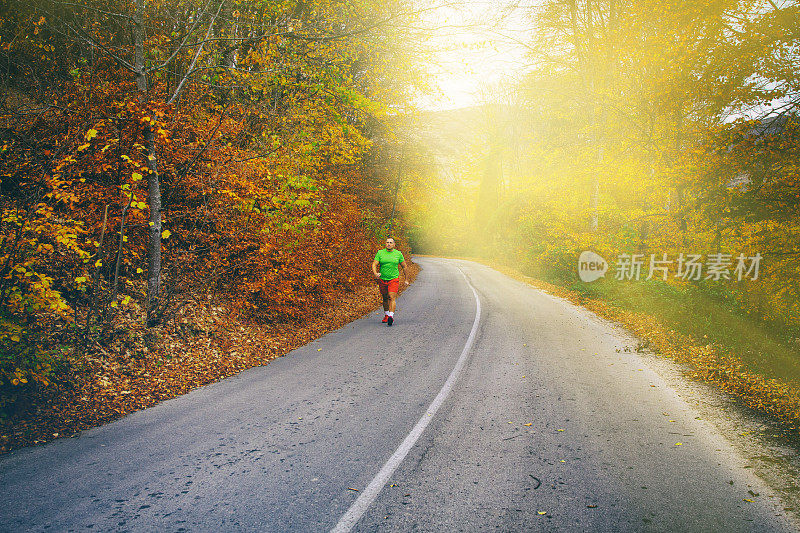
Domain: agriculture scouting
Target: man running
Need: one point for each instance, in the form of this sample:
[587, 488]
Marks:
[388, 277]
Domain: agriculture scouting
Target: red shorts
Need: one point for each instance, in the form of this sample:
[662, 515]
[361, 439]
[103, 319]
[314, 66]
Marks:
[393, 285]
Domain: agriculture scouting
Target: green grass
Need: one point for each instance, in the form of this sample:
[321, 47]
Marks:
[765, 349]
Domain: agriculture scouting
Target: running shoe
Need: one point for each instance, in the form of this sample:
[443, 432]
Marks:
[389, 322]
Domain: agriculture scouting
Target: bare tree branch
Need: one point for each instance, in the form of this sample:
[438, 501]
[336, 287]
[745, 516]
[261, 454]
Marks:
[183, 44]
[96, 10]
[196, 55]
[88, 38]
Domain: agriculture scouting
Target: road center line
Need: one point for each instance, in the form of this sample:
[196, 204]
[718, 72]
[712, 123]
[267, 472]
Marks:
[375, 486]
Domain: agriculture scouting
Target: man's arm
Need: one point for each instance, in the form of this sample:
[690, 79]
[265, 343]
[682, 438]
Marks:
[405, 272]
[375, 271]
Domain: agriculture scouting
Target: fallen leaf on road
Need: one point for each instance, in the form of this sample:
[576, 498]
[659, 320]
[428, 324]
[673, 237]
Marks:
[542, 512]
[529, 424]
[678, 444]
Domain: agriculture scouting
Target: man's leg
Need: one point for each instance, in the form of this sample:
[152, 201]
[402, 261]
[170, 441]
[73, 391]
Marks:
[392, 306]
[385, 308]
[384, 290]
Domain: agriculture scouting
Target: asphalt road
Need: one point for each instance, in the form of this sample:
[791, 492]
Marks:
[545, 423]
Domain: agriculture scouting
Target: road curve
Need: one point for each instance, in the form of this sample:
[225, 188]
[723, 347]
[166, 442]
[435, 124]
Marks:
[548, 425]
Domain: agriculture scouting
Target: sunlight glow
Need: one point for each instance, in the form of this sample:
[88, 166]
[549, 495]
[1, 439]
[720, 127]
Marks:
[477, 46]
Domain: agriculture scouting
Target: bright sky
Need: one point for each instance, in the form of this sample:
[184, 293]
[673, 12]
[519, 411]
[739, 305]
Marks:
[477, 49]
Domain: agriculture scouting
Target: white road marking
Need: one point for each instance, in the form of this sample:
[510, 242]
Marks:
[375, 486]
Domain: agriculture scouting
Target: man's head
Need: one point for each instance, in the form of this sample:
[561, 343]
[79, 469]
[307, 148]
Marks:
[390, 243]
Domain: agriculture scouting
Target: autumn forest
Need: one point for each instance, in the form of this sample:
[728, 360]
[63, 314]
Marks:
[166, 164]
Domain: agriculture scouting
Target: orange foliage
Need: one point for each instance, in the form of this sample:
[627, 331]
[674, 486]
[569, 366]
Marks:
[258, 141]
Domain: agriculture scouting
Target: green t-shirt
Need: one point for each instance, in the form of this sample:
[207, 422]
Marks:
[389, 260]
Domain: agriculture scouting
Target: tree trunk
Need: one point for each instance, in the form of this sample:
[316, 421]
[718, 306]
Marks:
[153, 182]
[489, 191]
